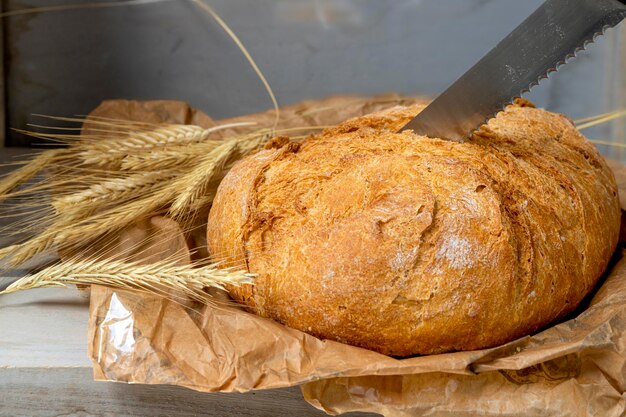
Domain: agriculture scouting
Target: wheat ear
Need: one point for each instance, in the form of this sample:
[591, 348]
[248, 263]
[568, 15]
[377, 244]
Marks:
[26, 172]
[157, 278]
[191, 155]
[194, 184]
[168, 157]
[114, 150]
[79, 224]
[20, 253]
[4, 252]
[69, 229]
[112, 190]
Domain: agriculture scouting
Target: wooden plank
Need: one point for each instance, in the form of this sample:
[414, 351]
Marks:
[68, 392]
[44, 328]
[45, 371]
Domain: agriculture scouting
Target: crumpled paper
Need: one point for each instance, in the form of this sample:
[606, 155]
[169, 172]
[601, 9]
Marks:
[576, 367]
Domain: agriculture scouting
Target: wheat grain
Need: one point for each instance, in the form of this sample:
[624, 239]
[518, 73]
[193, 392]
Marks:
[191, 155]
[22, 252]
[194, 184]
[109, 151]
[150, 195]
[4, 252]
[157, 278]
[113, 190]
[168, 157]
[160, 160]
[194, 187]
[74, 229]
[26, 172]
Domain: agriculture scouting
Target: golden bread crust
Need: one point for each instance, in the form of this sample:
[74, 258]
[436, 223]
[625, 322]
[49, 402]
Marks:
[408, 245]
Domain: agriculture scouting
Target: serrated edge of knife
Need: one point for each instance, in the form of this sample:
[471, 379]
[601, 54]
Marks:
[566, 60]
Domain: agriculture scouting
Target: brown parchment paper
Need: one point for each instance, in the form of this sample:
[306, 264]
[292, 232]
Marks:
[574, 368]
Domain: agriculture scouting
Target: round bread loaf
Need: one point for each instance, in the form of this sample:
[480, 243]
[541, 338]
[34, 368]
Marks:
[408, 245]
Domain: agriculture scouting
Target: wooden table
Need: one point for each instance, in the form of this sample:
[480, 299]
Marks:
[45, 371]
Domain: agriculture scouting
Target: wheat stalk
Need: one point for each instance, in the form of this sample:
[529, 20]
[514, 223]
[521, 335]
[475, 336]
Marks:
[206, 8]
[160, 136]
[157, 278]
[608, 143]
[600, 119]
[185, 188]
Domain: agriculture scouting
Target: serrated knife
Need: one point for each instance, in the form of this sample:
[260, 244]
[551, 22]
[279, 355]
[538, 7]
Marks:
[544, 41]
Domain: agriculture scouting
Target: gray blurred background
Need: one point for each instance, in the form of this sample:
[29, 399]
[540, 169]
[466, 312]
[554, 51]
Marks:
[64, 63]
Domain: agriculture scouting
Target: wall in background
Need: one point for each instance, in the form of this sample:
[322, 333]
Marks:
[65, 63]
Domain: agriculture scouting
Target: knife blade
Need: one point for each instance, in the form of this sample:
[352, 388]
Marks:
[548, 38]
